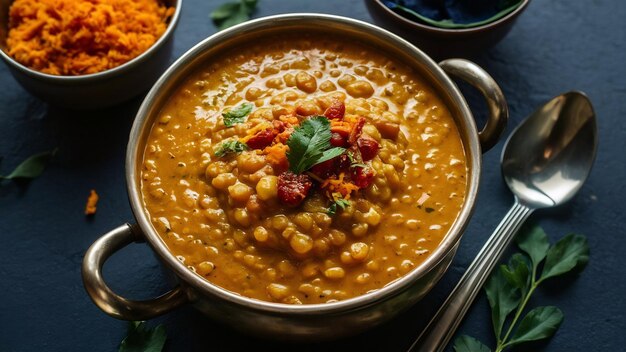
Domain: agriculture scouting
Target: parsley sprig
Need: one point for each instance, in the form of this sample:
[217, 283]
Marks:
[309, 145]
[232, 146]
[509, 289]
[237, 115]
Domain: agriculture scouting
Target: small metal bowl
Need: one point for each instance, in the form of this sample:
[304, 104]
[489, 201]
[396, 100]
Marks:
[441, 42]
[97, 90]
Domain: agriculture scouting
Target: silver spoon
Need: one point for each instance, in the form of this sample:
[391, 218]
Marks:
[545, 162]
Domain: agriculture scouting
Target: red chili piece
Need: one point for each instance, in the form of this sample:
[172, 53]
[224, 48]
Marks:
[337, 140]
[324, 169]
[262, 139]
[362, 176]
[279, 126]
[368, 147]
[335, 111]
[342, 163]
[356, 130]
[292, 188]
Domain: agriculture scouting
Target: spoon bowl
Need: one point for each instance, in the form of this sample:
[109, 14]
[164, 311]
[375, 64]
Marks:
[545, 161]
[549, 156]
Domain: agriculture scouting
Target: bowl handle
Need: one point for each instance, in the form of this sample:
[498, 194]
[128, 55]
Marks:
[481, 80]
[111, 303]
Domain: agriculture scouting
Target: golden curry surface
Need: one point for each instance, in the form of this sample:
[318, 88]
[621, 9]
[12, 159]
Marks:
[220, 216]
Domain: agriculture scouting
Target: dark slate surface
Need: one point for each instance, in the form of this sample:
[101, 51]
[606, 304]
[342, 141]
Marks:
[556, 46]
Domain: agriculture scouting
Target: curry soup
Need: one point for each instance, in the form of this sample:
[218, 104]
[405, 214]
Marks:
[303, 170]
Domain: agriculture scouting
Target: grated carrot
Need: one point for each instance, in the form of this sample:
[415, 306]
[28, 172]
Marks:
[92, 201]
[277, 154]
[254, 130]
[77, 37]
[338, 185]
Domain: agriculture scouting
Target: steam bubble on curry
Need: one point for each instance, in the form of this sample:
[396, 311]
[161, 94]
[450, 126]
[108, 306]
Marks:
[303, 170]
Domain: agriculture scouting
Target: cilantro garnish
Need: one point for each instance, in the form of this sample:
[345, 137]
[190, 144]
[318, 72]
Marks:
[230, 146]
[141, 339]
[340, 202]
[309, 145]
[237, 115]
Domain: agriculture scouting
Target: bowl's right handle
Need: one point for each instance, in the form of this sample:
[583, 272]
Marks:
[107, 300]
[481, 80]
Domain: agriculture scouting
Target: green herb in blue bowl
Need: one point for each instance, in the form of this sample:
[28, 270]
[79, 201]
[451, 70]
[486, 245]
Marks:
[445, 28]
[454, 14]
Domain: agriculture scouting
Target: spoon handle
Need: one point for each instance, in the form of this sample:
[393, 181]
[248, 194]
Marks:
[443, 325]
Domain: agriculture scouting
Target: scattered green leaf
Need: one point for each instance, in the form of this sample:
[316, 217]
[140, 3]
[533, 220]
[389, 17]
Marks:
[469, 344]
[510, 288]
[517, 272]
[229, 147]
[309, 145]
[32, 167]
[503, 298]
[540, 323]
[571, 252]
[232, 13]
[534, 241]
[237, 115]
[340, 202]
[508, 7]
[143, 339]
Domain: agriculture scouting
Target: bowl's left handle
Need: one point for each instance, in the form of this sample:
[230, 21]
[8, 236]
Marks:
[481, 80]
[107, 300]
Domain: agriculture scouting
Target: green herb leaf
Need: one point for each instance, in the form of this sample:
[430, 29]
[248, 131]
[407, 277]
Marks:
[341, 203]
[230, 146]
[465, 343]
[540, 323]
[309, 144]
[534, 241]
[232, 13]
[571, 252]
[503, 298]
[237, 115]
[32, 167]
[142, 339]
[354, 162]
[517, 272]
[329, 154]
[224, 11]
[510, 6]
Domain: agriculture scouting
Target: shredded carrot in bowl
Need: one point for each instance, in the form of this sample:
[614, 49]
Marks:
[78, 37]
